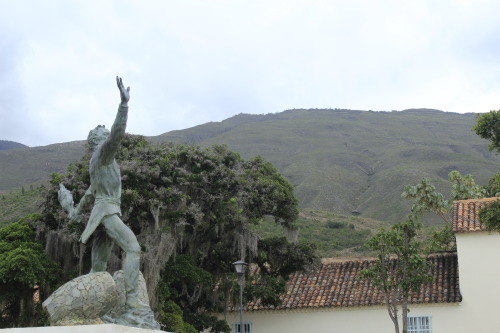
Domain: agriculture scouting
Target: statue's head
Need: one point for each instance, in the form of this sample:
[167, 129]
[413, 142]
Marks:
[97, 136]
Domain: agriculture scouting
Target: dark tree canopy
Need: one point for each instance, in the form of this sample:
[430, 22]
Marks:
[24, 267]
[191, 205]
[490, 216]
[488, 127]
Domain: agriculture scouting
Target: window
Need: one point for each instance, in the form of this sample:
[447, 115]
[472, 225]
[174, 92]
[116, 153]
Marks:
[419, 324]
[247, 328]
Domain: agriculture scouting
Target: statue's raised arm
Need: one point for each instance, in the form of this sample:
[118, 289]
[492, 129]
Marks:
[112, 143]
[124, 93]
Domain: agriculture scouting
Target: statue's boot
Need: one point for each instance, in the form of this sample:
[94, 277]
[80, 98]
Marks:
[141, 317]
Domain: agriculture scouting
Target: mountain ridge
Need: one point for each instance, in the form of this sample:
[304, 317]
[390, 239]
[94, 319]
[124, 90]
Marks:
[346, 161]
[6, 145]
[351, 141]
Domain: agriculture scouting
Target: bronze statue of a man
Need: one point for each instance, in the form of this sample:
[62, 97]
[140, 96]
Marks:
[107, 228]
[105, 191]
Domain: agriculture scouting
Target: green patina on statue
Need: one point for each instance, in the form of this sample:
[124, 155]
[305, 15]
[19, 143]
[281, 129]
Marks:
[105, 192]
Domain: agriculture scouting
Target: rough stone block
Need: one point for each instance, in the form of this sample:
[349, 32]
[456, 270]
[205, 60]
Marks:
[82, 300]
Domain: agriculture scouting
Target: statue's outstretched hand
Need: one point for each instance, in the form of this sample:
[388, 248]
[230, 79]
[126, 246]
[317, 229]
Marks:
[66, 200]
[124, 93]
[74, 216]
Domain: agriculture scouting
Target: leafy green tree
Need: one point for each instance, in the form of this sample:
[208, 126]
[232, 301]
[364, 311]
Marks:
[24, 267]
[464, 187]
[426, 199]
[277, 259]
[183, 202]
[493, 186]
[171, 319]
[489, 216]
[400, 269]
[185, 285]
[487, 126]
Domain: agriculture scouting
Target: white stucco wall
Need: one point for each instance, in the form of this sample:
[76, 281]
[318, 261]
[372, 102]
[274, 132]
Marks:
[362, 319]
[479, 266]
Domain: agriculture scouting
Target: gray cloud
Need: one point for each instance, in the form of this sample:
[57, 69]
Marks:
[189, 62]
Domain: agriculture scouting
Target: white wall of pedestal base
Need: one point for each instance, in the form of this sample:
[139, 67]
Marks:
[102, 328]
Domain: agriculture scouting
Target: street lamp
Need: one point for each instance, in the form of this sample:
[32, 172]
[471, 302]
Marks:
[239, 266]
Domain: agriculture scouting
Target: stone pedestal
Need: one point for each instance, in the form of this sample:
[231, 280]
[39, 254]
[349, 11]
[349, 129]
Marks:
[83, 300]
[98, 298]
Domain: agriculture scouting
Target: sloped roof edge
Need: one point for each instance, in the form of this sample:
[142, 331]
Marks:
[337, 284]
[465, 214]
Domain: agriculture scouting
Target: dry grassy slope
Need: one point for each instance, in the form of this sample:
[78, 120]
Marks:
[354, 161]
[24, 166]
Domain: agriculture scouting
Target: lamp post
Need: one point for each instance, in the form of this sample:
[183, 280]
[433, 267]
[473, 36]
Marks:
[239, 266]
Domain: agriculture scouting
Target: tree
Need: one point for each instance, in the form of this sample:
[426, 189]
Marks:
[427, 199]
[400, 269]
[182, 285]
[277, 259]
[182, 202]
[487, 126]
[493, 186]
[489, 216]
[24, 267]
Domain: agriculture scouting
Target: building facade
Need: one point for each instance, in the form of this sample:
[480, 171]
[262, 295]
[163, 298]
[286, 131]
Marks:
[464, 295]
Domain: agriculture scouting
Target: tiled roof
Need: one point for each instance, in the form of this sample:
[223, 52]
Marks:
[337, 284]
[465, 214]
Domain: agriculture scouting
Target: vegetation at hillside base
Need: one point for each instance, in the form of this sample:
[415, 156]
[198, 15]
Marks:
[20, 202]
[400, 269]
[334, 235]
[24, 269]
[192, 210]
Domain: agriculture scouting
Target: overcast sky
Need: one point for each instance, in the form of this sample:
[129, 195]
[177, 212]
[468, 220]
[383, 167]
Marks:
[191, 62]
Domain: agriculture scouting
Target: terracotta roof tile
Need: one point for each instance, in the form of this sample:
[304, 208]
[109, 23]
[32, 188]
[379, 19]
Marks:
[465, 214]
[338, 284]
